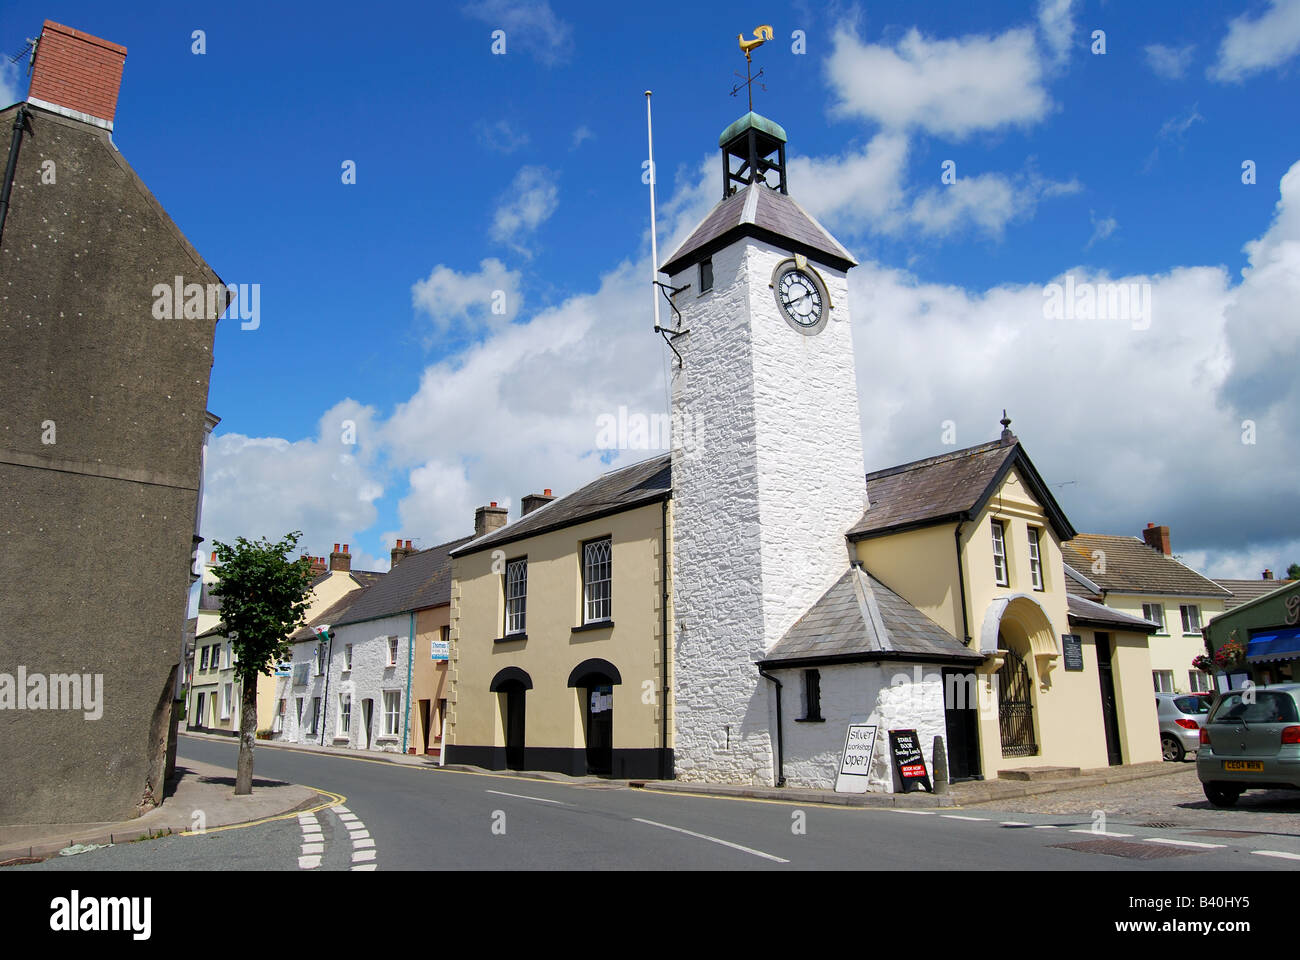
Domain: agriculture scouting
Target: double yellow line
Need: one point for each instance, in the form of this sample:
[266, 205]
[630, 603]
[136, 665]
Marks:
[335, 800]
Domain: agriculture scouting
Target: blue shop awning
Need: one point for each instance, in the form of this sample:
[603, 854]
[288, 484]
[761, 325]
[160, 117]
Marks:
[1282, 643]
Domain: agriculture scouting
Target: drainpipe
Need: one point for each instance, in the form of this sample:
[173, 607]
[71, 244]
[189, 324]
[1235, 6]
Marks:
[665, 773]
[780, 747]
[20, 121]
[325, 697]
[961, 583]
[410, 662]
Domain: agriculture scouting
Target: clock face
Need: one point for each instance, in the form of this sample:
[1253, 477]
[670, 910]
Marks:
[800, 298]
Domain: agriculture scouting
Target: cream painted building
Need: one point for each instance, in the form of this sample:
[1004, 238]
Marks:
[1141, 577]
[558, 642]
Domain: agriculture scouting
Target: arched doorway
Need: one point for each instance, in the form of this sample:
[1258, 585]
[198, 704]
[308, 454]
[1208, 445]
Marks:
[510, 686]
[1015, 704]
[595, 680]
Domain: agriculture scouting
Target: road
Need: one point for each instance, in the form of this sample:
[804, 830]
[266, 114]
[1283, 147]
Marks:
[399, 817]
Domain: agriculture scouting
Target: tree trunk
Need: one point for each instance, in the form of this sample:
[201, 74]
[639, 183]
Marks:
[247, 737]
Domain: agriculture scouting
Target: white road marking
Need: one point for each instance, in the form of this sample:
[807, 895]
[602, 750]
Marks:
[1185, 843]
[354, 826]
[1045, 826]
[919, 813]
[313, 848]
[313, 838]
[359, 855]
[956, 816]
[308, 863]
[365, 866]
[1013, 823]
[705, 836]
[340, 809]
[1280, 854]
[359, 835]
[345, 817]
[359, 844]
[520, 796]
[1102, 833]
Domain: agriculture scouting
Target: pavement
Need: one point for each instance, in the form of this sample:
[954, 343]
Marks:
[201, 795]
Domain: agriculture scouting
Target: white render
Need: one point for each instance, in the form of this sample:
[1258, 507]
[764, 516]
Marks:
[761, 502]
[890, 696]
[369, 678]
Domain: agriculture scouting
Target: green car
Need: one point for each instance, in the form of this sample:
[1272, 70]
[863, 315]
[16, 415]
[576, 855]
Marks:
[1251, 741]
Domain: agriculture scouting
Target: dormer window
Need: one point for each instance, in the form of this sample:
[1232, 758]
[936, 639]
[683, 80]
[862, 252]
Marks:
[999, 555]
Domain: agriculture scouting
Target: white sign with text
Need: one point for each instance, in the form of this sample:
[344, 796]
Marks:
[855, 765]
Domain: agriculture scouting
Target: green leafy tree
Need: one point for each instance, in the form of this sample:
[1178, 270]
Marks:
[1293, 572]
[263, 601]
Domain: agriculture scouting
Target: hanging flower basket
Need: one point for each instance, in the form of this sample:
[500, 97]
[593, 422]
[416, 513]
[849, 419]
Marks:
[1228, 657]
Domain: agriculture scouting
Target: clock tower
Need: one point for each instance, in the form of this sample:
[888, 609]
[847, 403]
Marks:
[774, 477]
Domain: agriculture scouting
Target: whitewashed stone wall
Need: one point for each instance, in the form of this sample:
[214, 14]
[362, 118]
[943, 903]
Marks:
[369, 677]
[294, 731]
[761, 503]
[891, 696]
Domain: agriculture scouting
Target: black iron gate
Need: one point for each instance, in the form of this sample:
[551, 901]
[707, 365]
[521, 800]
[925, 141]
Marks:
[1016, 707]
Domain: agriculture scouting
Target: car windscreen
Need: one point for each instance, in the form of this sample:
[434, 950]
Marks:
[1256, 706]
[1194, 705]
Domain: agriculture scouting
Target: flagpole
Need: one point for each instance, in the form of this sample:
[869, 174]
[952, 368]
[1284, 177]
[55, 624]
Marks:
[654, 238]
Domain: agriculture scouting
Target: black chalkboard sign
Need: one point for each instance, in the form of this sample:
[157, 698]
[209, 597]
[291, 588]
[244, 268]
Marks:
[1073, 651]
[909, 761]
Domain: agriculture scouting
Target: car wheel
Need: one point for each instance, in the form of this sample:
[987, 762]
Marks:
[1173, 750]
[1222, 794]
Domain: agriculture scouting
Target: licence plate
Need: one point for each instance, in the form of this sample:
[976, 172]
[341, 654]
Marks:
[1254, 766]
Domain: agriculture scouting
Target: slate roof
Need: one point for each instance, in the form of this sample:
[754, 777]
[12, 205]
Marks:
[641, 483]
[1084, 611]
[950, 487]
[860, 619]
[1133, 567]
[1076, 584]
[206, 599]
[767, 214]
[420, 580]
[365, 578]
[1244, 591]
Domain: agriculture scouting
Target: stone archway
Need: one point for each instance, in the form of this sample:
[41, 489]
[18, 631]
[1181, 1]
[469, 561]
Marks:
[1017, 635]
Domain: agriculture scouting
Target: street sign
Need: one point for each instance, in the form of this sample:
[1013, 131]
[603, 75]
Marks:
[909, 761]
[855, 764]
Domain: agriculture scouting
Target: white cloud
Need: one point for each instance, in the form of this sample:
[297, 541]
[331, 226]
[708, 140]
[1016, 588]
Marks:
[530, 25]
[530, 201]
[581, 135]
[325, 486]
[1101, 229]
[503, 136]
[856, 188]
[986, 202]
[490, 296]
[1056, 20]
[1169, 62]
[951, 87]
[1253, 44]
[10, 83]
[1175, 128]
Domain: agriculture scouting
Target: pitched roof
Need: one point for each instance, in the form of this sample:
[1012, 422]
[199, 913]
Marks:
[1084, 611]
[645, 482]
[766, 214]
[1076, 584]
[949, 487]
[860, 619]
[1135, 568]
[421, 580]
[1244, 591]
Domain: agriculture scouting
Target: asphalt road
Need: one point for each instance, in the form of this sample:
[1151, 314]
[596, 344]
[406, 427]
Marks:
[399, 817]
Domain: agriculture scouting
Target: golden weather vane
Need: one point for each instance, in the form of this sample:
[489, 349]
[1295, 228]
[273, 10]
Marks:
[761, 36]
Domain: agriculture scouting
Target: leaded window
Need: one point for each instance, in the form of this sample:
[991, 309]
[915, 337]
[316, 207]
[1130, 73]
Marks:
[516, 595]
[596, 581]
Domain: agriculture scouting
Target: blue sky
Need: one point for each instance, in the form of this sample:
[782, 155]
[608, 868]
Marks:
[478, 172]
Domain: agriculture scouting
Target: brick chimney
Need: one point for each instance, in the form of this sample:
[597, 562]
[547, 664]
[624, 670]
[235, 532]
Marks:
[341, 559]
[489, 518]
[317, 565]
[76, 75]
[1268, 575]
[1157, 538]
[534, 500]
[401, 552]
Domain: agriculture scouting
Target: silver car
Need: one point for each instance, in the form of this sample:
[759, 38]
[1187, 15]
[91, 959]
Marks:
[1251, 741]
[1181, 717]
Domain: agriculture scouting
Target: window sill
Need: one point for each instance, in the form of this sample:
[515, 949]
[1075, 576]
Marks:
[510, 638]
[594, 625]
[809, 719]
